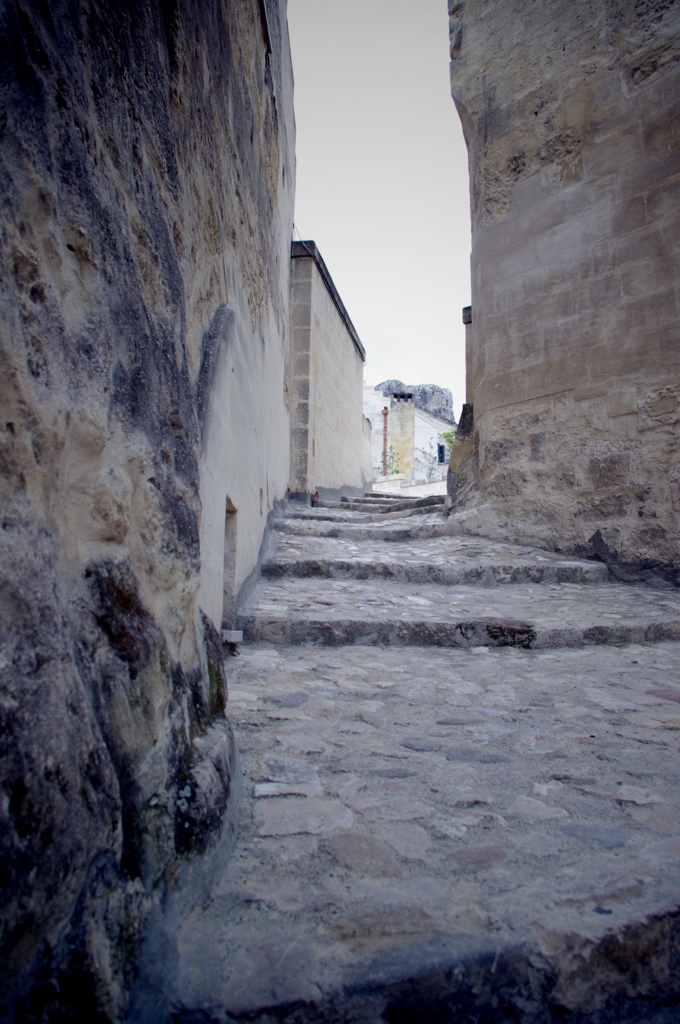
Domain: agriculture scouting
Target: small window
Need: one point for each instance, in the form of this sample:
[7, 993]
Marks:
[441, 454]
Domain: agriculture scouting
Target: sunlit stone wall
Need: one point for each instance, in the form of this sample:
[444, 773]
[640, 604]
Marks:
[327, 364]
[571, 113]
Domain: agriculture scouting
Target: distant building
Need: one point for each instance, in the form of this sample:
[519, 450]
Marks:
[329, 434]
[407, 423]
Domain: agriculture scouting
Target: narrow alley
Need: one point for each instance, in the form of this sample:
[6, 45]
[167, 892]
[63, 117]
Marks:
[461, 784]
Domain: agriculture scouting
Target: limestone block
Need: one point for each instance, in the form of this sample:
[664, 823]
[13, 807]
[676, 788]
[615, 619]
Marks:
[574, 152]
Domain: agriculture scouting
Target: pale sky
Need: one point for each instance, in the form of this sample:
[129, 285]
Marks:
[382, 180]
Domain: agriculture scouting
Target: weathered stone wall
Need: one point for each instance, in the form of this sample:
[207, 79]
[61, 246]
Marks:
[571, 112]
[147, 174]
[327, 433]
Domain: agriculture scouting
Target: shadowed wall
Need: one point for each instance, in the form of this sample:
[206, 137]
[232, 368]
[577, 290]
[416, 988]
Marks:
[146, 162]
[571, 112]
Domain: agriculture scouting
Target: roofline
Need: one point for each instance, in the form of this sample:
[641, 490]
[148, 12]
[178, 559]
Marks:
[309, 250]
[437, 419]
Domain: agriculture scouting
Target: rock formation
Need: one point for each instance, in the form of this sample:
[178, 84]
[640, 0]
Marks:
[147, 180]
[428, 397]
[570, 112]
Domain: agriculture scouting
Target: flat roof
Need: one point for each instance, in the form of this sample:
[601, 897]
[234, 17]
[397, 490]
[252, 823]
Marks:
[308, 250]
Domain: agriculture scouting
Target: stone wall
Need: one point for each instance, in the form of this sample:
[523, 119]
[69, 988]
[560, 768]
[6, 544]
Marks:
[327, 431]
[146, 159]
[571, 112]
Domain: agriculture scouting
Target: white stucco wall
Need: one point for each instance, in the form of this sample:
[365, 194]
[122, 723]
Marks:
[374, 403]
[367, 472]
[427, 430]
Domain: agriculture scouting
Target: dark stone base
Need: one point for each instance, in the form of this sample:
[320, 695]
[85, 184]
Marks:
[645, 571]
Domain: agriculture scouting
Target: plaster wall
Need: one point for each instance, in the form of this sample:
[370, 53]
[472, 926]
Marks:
[367, 471]
[327, 431]
[426, 431]
[571, 113]
[401, 429]
[374, 402]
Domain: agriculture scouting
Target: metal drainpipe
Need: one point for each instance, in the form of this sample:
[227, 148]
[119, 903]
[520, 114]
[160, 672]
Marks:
[385, 413]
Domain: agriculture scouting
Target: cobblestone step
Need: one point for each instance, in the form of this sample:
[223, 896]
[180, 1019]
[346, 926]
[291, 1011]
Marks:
[527, 615]
[358, 506]
[347, 514]
[482, 574]
[384, 506]
[361, 528]
[369, 498]
[315, 515]
[446, 835]
[447, 561]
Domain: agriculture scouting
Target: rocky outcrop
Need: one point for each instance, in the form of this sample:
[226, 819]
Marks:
[428, 397]
[147, 173]
[570, 113]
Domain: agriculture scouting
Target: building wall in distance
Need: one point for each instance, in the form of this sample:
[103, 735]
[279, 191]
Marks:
[401, 435]
[374, 403]
[327, 363]
[427, 432]
[413, 435]
[571, 112]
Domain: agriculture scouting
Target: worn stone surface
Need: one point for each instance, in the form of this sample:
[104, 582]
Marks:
[292, 610]
[451, 591]
[445, 560]
[488, 833]
[516, 804]
[147, 179]
[375, 505]
[571, 116]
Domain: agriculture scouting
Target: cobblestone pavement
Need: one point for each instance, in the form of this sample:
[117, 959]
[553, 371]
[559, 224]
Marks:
[442, 834]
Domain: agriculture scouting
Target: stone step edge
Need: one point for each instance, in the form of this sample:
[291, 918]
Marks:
[588, 574]
[477, 631]
[333, 516]
[372, 508]
[370, 499]
[446, 528]
[505, 976]
[429, 501]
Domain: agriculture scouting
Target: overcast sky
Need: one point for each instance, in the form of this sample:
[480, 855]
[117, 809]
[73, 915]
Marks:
[382, 181]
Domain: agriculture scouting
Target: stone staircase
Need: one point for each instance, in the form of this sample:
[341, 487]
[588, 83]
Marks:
[393, 585]
[461, 786]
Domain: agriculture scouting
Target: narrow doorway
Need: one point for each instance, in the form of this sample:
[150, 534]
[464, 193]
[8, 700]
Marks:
[229, 575]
